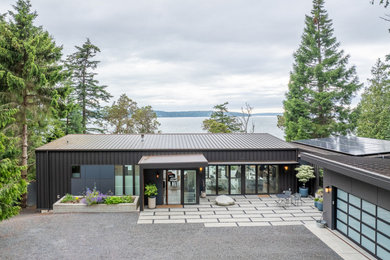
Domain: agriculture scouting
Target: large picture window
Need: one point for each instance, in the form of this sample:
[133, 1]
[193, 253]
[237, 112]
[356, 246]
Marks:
[118, 179]
[211, 180]
[235, 179]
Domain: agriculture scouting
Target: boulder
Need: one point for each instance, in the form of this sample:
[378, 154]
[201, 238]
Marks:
[224, 200]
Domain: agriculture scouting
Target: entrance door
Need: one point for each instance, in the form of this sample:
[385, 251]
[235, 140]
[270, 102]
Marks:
[172, 187]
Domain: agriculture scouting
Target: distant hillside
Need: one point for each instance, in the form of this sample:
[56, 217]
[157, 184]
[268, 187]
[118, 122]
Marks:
[202, 114]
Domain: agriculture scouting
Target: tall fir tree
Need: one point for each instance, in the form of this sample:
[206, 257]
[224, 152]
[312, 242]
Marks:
[29, 72]
[374, 107]
[321, 84]
[12, 186]
[87, 91]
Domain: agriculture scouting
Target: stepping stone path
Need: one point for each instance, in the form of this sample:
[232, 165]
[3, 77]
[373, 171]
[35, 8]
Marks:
[248, 210]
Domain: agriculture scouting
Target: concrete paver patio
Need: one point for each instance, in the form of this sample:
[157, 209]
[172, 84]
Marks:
[249, 210]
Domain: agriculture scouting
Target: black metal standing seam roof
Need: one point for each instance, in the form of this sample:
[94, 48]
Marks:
[198, 141]
[375, 165]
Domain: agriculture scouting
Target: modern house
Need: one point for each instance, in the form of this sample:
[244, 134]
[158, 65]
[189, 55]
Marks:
[356, 181]
[181, 165]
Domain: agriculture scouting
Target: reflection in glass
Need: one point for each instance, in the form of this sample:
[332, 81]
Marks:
[262, 179]
[137, 179]
[223, 180]
[189, 186]
[235, 179]
[129, 186]
[273, 176]
[250, 179]
[118, 180]
[211, 179]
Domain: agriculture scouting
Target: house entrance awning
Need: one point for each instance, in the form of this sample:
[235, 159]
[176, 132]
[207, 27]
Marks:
[173, 161]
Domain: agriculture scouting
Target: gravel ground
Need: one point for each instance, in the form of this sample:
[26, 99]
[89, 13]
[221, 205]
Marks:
[117, 236]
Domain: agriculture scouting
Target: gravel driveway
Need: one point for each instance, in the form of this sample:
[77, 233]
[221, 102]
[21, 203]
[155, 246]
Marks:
[117, 236]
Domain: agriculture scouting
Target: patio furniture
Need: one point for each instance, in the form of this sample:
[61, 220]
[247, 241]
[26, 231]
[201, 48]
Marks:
[297, 199]
[284, 199]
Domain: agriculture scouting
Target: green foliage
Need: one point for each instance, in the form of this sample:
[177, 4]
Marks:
[69, 198]
[12, 186]
[88, 94]
[305, 173]
[316, 199]
[374, 107]
[127, 118]
[321, 85]
[320, 200]
[150, 190]
[29, 77]
[117, 200]
[221, 122]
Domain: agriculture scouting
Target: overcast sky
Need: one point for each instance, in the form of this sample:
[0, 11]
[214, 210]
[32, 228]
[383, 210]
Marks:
[191, 55]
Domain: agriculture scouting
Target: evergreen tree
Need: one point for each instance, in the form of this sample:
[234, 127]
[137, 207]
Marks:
[87, 91]
[221, 121]
[12, 186]
[321, 85]
[29, 71]
[374, 107]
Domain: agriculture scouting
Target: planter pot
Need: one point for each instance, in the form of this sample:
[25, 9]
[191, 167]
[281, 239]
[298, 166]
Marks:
[316, 204]
[151, 202]
[203, 194]
[321, 223]
[320, 206]
[304, 191]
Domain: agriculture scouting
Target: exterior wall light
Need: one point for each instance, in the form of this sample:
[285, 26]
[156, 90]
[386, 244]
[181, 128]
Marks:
[157, 175]
[328, 189]
[286, 168]
[200, 169]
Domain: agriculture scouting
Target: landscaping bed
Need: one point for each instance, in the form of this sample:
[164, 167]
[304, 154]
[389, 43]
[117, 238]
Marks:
[97, 202]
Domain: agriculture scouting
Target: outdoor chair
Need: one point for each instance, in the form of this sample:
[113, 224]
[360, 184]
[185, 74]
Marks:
[297, 199]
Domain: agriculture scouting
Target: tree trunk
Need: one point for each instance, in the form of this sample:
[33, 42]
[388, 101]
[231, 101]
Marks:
[24, 160]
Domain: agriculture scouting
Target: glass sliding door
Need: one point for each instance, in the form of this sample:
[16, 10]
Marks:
[262, 179]
[189, 186]
[250, 179]
[211, 180]
[235, 179]
[118, 170]
[273, 177]
[223, 180]
[129, 177]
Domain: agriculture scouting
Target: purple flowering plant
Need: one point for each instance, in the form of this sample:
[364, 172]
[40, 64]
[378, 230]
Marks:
[93, 197]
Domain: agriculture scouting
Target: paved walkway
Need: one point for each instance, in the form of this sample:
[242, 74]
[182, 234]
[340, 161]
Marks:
[249, 210]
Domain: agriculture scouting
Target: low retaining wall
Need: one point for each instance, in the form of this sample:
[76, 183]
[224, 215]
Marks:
[59, 207]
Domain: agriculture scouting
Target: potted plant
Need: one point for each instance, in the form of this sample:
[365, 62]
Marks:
[151, 192]
[319, 193]
[320, 204]
[305, 173]
[316, 202]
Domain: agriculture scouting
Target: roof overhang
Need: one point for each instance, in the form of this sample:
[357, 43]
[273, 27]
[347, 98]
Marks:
[253, 162]
[354, 172]
[173, 161]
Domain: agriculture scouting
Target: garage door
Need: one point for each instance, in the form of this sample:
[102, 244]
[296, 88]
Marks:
[363, 222]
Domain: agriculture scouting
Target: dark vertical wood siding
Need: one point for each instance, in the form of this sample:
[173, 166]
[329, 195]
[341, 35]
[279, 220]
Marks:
[54, 167]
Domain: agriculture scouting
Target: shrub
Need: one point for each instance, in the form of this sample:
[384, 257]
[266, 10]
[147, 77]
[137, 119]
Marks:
[117, 200]
[316, 199]
[150, 190]
[305, 173]
[93, 197]
[320, 200]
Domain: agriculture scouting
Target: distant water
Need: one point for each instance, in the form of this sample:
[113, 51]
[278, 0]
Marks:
[263, 124]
